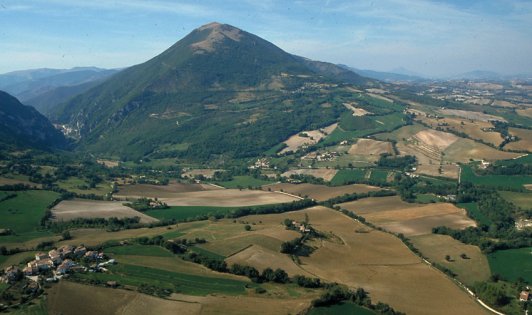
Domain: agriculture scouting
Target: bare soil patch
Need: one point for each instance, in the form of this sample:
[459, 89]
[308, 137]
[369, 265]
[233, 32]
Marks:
[307, 138]
[370, 147]
[227, 198]
[470, 115]
[525, 142]
[160, 191]
[320, 192]
[465, 149]
[397, 216]
[441, 140]
[469, 270]
[71, 209]
[356, 110]
[77, 299]
[326, 173]
[380, 263]
[262, 258]
[527, 112]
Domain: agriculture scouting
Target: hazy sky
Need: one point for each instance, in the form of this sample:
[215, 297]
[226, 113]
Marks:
[429, 37]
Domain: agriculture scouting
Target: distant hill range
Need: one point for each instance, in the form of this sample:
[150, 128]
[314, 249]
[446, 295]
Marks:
[22, 126]
[45, 88]
[389, 77]
[218, 92]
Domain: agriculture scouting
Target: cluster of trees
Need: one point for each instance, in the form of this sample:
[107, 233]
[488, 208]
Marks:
[144, 204]
[510, 169]
[111, 224]
[355, 196]
[297, 246]
[277, 208]
[336, 294]
[500, 233]
[397, 162]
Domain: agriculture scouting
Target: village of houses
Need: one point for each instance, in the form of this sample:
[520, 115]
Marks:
[57, 263]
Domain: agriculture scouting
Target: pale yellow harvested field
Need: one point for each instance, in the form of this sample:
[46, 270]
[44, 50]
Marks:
[108, 163]
[159, 191]
[312, 137]
[504, 104]
[77, 299]
[428, 165]
[262, 258]
[320, 192]
[244, 305]
[71, 209]
[397, 216]
[440, 139]
[380, 263]
[356, 110]
[370, 147]
[470, 115]
[525, 142]
[470, 270]
[381, 97]
[227, 198]
[474, 129]
[465, 149]
[525, 112]
[326, 173]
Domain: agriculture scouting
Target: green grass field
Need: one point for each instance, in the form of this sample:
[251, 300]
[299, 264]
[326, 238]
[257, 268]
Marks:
[426, 198]
[523, 200]
[207, 253]
[139, 250]
[341, 309]
[182, 213]
[379, 175]
[73, 184]
[503, 181]
[184, 283]
[474, 213]
[244, 182]
[382, 123]
[23, 214]
[512, 263]
[345, 176]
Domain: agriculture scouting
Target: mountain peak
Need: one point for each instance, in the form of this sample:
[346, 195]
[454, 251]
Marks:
[217, 33]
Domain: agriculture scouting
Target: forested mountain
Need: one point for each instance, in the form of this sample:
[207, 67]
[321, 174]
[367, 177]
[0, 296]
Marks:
[219, 91]
[23, 126]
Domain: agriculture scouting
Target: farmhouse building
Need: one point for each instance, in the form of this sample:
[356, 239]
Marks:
[524, 296]
[12, 274]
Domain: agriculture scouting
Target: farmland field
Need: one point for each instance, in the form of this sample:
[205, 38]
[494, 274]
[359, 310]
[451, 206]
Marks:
[72, 209]
[159, 191]
[70, 298]
[350, 175]
[474, 213]
[525, 142]
[520, 199]
[378, 262]
[410, 219]
[23, 214]
[320, 192]
[512, 263]
[184, 283]
[181, 213]
[227, 198]
[514, 181]
[243, 182]
[81, 186]
[370, 147]
[465, 149]
[140, 250]
[341, 309]
[469, 270]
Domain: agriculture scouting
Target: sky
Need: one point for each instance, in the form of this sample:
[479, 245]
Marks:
[434, 38]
